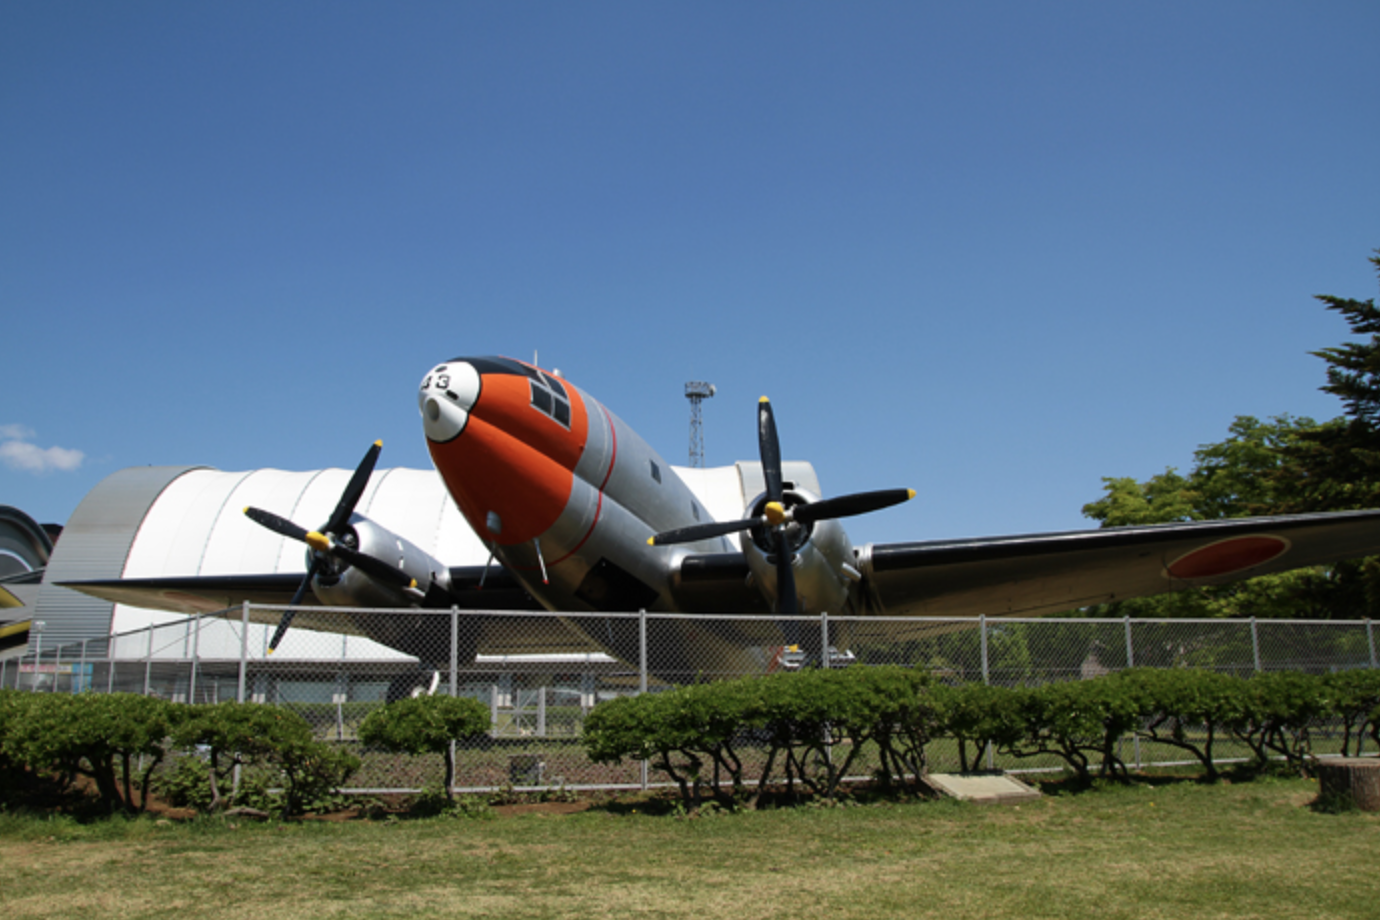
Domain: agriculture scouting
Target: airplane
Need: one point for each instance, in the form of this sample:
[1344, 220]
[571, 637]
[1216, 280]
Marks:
[580, 515]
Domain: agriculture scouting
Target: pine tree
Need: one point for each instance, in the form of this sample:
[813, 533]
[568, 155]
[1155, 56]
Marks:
[1336, 467]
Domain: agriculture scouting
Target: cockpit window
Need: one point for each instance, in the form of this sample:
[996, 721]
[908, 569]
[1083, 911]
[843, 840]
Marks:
[492, 364]
[550, 401]
[556, 386]
[549, 396]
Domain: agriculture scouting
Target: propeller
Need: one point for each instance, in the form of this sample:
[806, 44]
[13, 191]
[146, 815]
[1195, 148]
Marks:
[776, 517]
[325, 543]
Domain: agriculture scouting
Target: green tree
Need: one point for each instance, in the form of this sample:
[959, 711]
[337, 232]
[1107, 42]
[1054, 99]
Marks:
[1161, 499]
[426, 725]
[1337, 466]
[232, 734]
[107, 737]
[1235, 477]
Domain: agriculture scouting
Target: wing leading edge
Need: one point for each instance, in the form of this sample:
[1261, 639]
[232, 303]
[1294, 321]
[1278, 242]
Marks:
[426, 635]
[193, 594]
[1038, 574]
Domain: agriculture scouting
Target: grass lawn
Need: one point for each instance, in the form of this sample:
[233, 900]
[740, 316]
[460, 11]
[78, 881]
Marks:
[1165, 849]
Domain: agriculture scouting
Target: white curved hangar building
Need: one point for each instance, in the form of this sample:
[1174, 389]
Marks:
[163, 520]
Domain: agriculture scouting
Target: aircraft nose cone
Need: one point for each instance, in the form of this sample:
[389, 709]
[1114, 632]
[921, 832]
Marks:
[445, 398]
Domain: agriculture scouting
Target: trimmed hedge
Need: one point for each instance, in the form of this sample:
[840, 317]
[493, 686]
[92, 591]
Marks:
[231, 734]
[118, 740]
[815, 723]
[426, 725]
[726, 739]
[98, 736]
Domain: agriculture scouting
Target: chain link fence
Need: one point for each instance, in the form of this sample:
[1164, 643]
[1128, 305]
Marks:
[540, 674]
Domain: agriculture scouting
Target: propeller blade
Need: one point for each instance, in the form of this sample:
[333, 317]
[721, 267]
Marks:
[279, 525]
[769, 447]
[849, 505]
[291, 610]
[350, 497]
[702, 532]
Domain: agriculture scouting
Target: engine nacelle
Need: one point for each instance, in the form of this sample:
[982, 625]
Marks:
[346, 586]
[823, 562]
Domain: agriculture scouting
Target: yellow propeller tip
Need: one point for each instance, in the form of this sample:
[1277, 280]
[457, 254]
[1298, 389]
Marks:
[318, 541]
[763, 399]
[378, 443]
[272, 650]
[910, 493]
[651, 541]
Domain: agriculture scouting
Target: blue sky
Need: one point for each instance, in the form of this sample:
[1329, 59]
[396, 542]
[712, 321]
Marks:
[991, 251]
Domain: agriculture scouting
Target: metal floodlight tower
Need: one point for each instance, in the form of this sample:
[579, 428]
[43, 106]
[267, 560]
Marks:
[697, 391]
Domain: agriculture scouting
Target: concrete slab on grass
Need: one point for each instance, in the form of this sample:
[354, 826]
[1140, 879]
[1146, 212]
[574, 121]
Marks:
[987, 788]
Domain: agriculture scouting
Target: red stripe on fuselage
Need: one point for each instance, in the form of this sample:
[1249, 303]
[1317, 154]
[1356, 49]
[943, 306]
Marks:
[599, 502]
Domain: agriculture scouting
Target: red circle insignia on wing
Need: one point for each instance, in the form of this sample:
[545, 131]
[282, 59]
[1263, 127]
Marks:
[1225, 557]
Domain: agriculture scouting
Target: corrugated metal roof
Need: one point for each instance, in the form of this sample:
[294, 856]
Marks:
[94, 544]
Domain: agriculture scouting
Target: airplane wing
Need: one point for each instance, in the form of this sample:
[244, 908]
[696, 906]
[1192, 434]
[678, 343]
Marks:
[224, 594]
[193, 594]
[1014, 576]
[1037, 574]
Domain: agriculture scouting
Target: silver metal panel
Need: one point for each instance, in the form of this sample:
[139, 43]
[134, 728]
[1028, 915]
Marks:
[95, 544]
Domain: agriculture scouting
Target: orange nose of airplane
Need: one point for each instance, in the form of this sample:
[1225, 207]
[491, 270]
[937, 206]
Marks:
[505, 437]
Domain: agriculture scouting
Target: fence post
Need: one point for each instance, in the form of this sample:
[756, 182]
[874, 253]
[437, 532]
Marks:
[986, 680]
[642, 671]
[1255, 645]
[197, 622]
[1131, 663]
[148, 662]
[982, 633]
[454, 649]
[1370, 638]
[824, 638]
[454, 678]
[80, 676]
[38, 653]
[244, 650]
